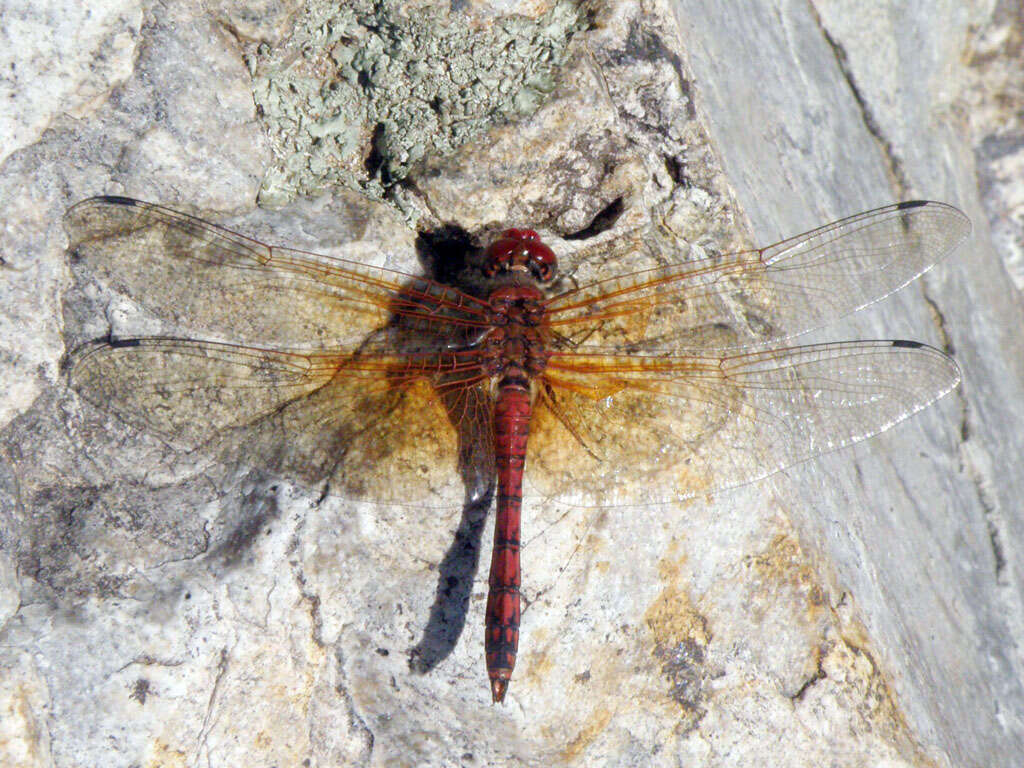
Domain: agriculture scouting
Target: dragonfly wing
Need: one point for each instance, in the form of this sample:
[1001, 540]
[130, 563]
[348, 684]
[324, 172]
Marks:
[377, 427]
[763, 295]
[620, 429]
[212, 279]
[186, 391]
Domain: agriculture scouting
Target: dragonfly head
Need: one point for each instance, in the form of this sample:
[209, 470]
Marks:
[521, 250]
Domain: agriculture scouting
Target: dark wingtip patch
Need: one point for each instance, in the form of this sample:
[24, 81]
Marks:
[911, 204]
[118, 343]
[116, 200]
[907, 344]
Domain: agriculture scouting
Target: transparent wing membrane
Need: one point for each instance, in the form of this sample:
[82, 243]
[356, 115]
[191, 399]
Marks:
[764, 295]
[621, 429]
[369, 427]
[222, 283]
[659, 385]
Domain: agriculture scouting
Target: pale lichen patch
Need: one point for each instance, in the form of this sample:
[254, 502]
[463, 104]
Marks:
[360, 92]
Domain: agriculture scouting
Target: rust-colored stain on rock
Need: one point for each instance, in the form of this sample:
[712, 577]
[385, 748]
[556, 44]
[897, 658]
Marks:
[681, 637]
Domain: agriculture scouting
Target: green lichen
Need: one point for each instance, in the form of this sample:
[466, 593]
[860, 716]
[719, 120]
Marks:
[357, 95]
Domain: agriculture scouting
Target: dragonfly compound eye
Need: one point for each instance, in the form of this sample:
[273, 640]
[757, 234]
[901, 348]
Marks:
[519, 249]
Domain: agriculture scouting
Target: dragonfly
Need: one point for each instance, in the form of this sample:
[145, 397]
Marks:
[657, 385]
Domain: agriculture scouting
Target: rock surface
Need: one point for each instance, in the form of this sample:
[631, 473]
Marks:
[862, 609]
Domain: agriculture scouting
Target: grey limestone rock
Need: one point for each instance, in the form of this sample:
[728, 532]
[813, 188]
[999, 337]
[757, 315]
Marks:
[167, 608]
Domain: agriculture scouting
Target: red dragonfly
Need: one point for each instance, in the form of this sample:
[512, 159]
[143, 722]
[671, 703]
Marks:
[385, 382]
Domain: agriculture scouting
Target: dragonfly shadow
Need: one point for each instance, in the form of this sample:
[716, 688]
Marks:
[455, 576]
[443, 254]
[451, 256]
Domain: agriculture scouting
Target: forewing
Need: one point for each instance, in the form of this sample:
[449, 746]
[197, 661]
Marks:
[764, 295]
[225, 284]
[639, 429]
[379, 428]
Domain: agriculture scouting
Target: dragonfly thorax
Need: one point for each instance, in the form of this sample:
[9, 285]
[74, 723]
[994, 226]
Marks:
[517, 303]
[516, 338]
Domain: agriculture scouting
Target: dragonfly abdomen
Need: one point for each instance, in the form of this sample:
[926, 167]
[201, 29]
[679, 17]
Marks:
[511, 431]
